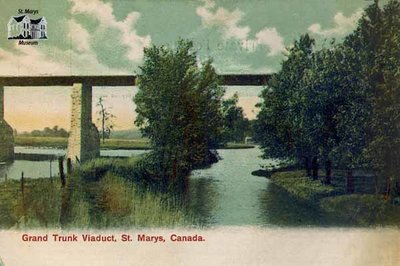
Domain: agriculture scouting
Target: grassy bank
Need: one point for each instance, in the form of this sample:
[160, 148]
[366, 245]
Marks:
[97, 195]
[110, 144]
[342, 209]
[362, 209]
[302, 187]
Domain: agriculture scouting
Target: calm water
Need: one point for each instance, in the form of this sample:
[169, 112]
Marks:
[227, 194]
[47, 168]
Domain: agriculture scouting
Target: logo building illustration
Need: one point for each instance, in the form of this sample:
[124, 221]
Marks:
[23, 27]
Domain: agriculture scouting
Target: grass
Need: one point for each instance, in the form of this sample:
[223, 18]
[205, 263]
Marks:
[53, 142]
[38, 206]
[340, 208]
[300, 186]
[110, 144]
[362, 209]
[62, 143]
[97, 195]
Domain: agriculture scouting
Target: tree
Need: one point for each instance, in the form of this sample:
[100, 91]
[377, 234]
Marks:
[384, 146]
[105, 118]
[178, 109]
[235, 125]
[340, 103]
[280, 126]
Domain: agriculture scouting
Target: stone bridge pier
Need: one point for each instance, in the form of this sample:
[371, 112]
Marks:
[84, 138]
[6, 134]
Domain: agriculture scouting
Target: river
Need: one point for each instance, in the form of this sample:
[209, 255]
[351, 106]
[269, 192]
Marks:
[227, 194]
[224, 194]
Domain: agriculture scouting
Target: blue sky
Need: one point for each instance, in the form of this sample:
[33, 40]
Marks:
[107, 37]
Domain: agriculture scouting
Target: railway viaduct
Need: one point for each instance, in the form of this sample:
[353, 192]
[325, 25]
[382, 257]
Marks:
[84, 139]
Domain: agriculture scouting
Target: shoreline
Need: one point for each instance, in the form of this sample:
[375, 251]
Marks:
[356, 209]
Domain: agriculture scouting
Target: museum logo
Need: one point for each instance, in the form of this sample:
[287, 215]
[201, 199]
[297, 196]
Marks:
[26, 29]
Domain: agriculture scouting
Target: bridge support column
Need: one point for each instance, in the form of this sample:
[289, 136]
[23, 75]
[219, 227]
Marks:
[84, 139]
[6, 134]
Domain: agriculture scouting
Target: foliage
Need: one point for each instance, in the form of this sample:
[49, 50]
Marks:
[46, 132]
[340, 103]
[280, 126]
[384, 146]
[235, 125]
[178, 108]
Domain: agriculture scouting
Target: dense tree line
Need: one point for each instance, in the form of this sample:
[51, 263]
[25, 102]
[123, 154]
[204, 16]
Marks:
[46, 132]
[339, 105]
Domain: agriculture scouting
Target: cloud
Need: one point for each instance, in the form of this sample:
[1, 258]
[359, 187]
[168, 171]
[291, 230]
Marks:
[228, 22]
[268, 37]
[50, 60]
[231, 65]
[79, 37]
[103, 13]
[80, 58]
[21, 61]
[342, 25]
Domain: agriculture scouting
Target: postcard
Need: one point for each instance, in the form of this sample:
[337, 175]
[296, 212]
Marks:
[200, 132]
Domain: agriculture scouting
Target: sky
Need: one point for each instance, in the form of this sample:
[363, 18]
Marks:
[95, 37]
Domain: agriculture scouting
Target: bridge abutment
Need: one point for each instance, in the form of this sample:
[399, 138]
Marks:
[6, 134]
[84, 138]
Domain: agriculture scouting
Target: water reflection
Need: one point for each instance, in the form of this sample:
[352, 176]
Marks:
[31, 169]
[227, 193]
[202, 199]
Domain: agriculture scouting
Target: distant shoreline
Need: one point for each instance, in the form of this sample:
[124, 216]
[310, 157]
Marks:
[110, 144]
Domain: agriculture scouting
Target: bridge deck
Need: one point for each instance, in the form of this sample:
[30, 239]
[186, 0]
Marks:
[127, 80]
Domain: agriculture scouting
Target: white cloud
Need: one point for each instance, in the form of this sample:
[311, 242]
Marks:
[79, 37]
[49, 60]
[268, 37]
[342, 25]
[21, 61]
[228, 22]
[103, 12]
[79, 59]
[231, 66]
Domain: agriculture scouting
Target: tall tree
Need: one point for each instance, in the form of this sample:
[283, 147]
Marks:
[178, 107]
[280, 126]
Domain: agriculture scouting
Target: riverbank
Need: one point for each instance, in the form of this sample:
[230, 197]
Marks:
[100, 194]
[344, 209]
[109, 144]
[62, 143]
